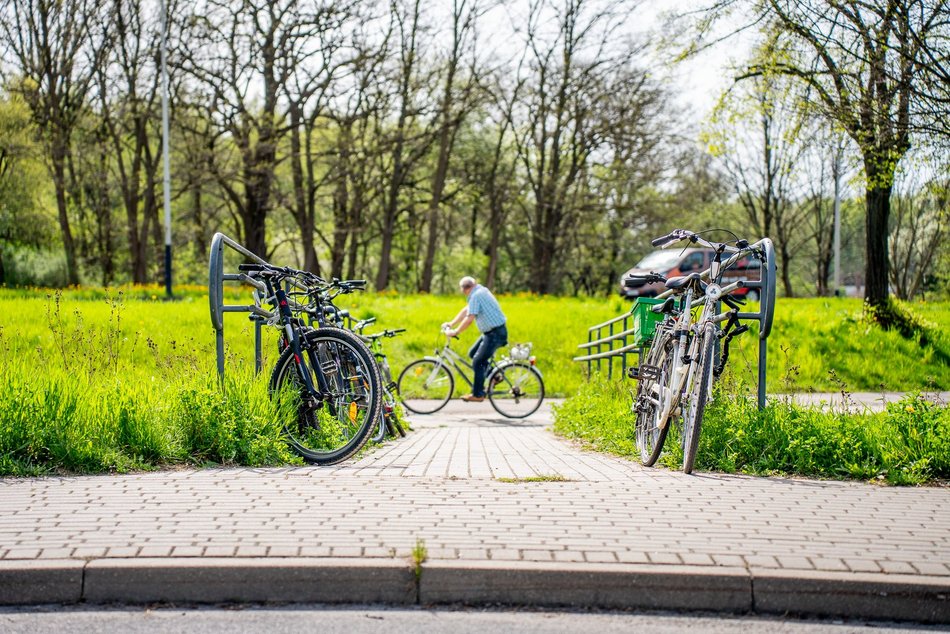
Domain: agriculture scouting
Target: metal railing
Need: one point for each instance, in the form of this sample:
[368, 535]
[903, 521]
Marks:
[597, 338]
[216, 279]
[600, 344]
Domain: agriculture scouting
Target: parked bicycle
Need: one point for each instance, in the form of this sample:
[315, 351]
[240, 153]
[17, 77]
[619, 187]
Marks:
[675, 378]
[515, 387]
[329, 372]
[389, 417]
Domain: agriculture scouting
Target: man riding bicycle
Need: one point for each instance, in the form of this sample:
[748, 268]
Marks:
[484, 310]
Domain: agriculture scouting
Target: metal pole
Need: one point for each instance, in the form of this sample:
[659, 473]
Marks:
[258, 359]
[837, 246]
[166, 177]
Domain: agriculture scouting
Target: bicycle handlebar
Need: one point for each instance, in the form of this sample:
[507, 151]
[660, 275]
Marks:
[683, 234]
[674, 236]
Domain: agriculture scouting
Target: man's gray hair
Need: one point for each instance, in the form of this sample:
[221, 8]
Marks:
[467, 282]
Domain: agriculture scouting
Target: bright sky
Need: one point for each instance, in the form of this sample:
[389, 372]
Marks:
[697, 82]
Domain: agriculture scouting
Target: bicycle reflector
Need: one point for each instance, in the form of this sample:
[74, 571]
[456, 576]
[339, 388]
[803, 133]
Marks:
[532, 360]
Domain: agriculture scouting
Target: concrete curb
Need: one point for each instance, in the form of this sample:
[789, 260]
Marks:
[306, 580]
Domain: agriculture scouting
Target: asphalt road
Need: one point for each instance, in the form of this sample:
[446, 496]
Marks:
[377, 620]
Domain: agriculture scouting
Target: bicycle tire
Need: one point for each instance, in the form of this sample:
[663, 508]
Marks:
[650, 436]
[326, 432]
[515, 389]
[699, 394]
[432, 393]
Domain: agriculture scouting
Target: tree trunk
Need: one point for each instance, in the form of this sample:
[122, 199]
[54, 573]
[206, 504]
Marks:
[878, 212]
[786, 269]
[301, 209]
[59, 151]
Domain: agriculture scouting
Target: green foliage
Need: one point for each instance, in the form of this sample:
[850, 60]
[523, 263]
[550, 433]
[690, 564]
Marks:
[104, 380]
[909, 443]
[600, 415]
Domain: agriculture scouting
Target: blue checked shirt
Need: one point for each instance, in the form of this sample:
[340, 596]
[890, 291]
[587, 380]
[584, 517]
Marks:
[484, 306]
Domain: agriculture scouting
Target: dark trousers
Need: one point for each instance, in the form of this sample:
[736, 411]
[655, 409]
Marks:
[482, 351]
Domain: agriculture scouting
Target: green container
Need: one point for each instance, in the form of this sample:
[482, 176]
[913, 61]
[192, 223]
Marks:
[644, 319]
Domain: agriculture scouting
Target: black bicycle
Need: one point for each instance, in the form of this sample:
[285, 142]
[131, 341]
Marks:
[389, 418]
[328, 373]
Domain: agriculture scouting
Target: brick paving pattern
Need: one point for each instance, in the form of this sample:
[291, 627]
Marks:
[457, 483]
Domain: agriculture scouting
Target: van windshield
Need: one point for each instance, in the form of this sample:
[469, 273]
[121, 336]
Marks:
[660, 260]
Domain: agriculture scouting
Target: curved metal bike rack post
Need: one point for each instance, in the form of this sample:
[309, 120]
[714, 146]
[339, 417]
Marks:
[765, 314]
[216, 279]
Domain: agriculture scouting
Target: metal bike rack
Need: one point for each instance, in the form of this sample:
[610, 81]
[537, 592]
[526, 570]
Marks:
[216, 279]
[766, 285]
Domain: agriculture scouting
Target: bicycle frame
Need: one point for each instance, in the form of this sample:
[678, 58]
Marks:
[449, 358]
[687, 333]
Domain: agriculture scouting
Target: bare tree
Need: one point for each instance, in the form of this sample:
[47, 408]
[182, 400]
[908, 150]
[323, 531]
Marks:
[351, 165]
[405, 142]
[920, 221]
[244, 56]
[455, 104]
[570, 48]
[761, 147]
[869, 64]
[56, 45]
[127, 103]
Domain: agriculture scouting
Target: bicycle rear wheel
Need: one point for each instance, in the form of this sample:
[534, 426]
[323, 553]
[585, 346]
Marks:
[425, 386]
[654, 378]
[334, 427]
[515, 389]
[697, 398]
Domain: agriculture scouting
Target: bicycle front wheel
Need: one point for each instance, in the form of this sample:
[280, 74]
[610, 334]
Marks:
[333, 426]
[515, 389]
[425, 386]
[698, 395]
[654, 379]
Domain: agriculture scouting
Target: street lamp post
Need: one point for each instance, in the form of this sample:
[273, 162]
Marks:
[166, 176]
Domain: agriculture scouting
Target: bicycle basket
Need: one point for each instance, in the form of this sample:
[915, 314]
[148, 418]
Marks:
[644, 319]
[520, 351]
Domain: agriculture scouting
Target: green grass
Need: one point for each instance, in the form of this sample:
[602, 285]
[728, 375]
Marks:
[554, 477]
[909, 443]
[101, 380]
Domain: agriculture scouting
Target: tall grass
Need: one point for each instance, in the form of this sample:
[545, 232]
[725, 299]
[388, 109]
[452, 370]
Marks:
[908, 443]
[100, 380]
[84, 387]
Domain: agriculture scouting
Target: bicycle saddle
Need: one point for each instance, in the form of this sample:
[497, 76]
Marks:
[682, 281]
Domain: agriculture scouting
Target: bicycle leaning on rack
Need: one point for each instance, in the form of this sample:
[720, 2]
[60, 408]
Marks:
[389, 420]
[513, 385]
[676, 375]
[329, 372]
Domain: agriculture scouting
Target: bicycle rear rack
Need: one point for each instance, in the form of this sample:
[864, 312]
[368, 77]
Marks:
[216, 279]
[603, 343]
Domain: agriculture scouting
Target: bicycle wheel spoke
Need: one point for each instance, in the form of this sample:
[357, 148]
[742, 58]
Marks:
[515, 390]
[425, 386]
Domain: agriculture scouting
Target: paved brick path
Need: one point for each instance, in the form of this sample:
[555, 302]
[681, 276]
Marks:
[608, 534]
[442, 485]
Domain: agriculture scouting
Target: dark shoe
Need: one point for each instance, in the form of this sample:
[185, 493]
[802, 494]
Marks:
[471, 398]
